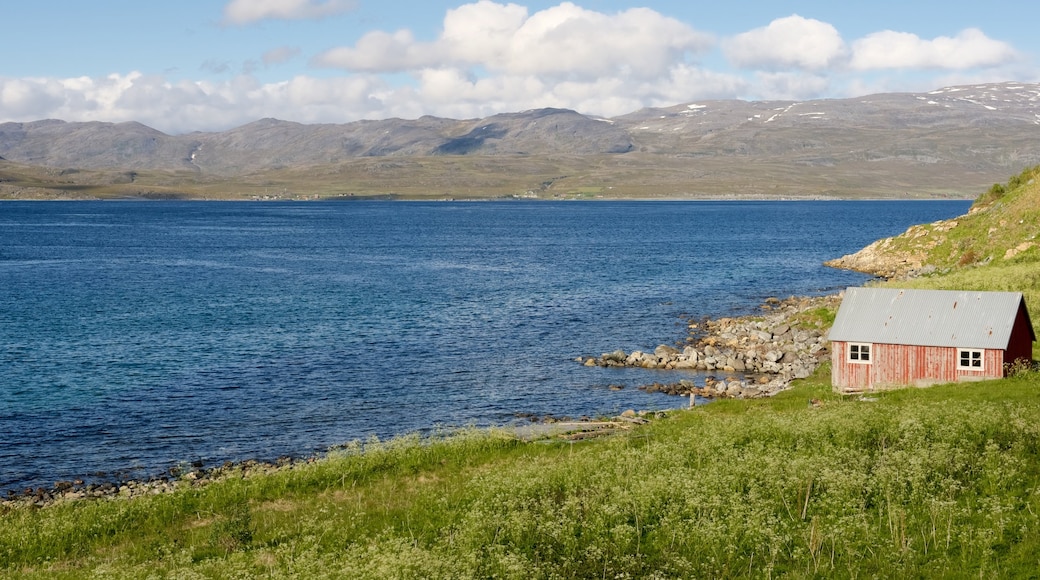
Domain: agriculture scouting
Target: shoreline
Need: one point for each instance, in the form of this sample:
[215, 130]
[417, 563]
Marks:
[477, 199]
[756, 355]
[751, 365]
[197, 475]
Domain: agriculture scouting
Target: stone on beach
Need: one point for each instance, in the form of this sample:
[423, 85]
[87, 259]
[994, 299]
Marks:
[761, 354]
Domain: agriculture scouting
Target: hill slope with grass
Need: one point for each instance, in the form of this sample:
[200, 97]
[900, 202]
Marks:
[995, 246]
[1002, 227]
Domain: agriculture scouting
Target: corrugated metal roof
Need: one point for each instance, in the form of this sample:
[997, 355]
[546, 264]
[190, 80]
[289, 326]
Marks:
[947, 318]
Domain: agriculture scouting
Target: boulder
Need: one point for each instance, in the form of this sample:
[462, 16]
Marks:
[617, 356]
[665, 351]
[800, 371]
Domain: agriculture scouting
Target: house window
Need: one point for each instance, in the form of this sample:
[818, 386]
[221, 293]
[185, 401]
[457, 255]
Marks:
[859, 353]
[969, 359]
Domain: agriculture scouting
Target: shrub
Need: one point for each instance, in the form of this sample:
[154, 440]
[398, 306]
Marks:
[968, 258]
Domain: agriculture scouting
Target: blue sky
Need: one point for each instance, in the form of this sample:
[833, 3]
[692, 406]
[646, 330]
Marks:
[215, 64]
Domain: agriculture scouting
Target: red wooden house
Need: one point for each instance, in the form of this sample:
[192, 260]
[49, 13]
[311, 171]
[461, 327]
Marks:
[885, 337]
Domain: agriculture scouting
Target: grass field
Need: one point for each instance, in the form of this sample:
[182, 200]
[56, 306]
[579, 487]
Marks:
[922, 482]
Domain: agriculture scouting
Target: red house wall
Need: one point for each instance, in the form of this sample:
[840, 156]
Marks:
[1020, 345]
[896, 365]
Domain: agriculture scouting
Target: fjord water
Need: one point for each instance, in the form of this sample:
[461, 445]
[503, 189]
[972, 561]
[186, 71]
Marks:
[138, 335]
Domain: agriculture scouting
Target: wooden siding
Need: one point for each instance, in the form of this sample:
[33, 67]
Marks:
[1020, 346]
[897, 365]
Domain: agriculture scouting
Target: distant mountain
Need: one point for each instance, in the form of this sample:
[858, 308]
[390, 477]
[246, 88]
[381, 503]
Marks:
[272, 144]
[945, 140]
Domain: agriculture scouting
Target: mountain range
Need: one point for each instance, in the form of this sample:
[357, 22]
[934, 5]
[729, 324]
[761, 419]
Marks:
[954, 141]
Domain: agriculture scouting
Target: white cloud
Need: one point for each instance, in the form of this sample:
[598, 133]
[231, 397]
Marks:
[187, 106]
[492, 57]
[380, 52]
[482, 32]
[249, 11]
[564, 41]
[895, 50]
[792, 42]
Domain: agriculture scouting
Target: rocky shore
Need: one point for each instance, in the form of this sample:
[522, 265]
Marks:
[196, 475]
[744, 357]
[750, 356]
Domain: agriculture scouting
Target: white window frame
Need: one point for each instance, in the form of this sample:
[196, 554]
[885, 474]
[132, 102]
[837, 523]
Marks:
[970, 352]
[860, 348]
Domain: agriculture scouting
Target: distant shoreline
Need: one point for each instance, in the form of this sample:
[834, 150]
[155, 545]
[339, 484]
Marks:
[411, 199]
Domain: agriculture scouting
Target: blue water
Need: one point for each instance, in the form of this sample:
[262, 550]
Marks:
[135, 336]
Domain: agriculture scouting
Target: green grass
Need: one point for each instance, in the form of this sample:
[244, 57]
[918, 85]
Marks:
[996, 247]
[1002, 228]
[1020, 276]
[940, 481]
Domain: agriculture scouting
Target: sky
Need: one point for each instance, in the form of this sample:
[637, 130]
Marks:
[211, 65]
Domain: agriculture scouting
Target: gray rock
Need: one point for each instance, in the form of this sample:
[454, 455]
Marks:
[665, 351]
[616, 356]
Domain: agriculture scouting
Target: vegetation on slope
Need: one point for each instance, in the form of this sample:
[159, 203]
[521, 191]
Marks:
[1001, 229]
[925, 482]
[1002, 226]
[996, 247]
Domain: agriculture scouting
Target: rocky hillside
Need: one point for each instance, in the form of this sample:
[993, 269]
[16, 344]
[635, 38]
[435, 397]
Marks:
[273, 144]
[1002, 226]
[953, 141]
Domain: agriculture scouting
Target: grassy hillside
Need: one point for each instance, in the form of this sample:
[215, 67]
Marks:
[1001, 228]
[996, 246]
[935, 482]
